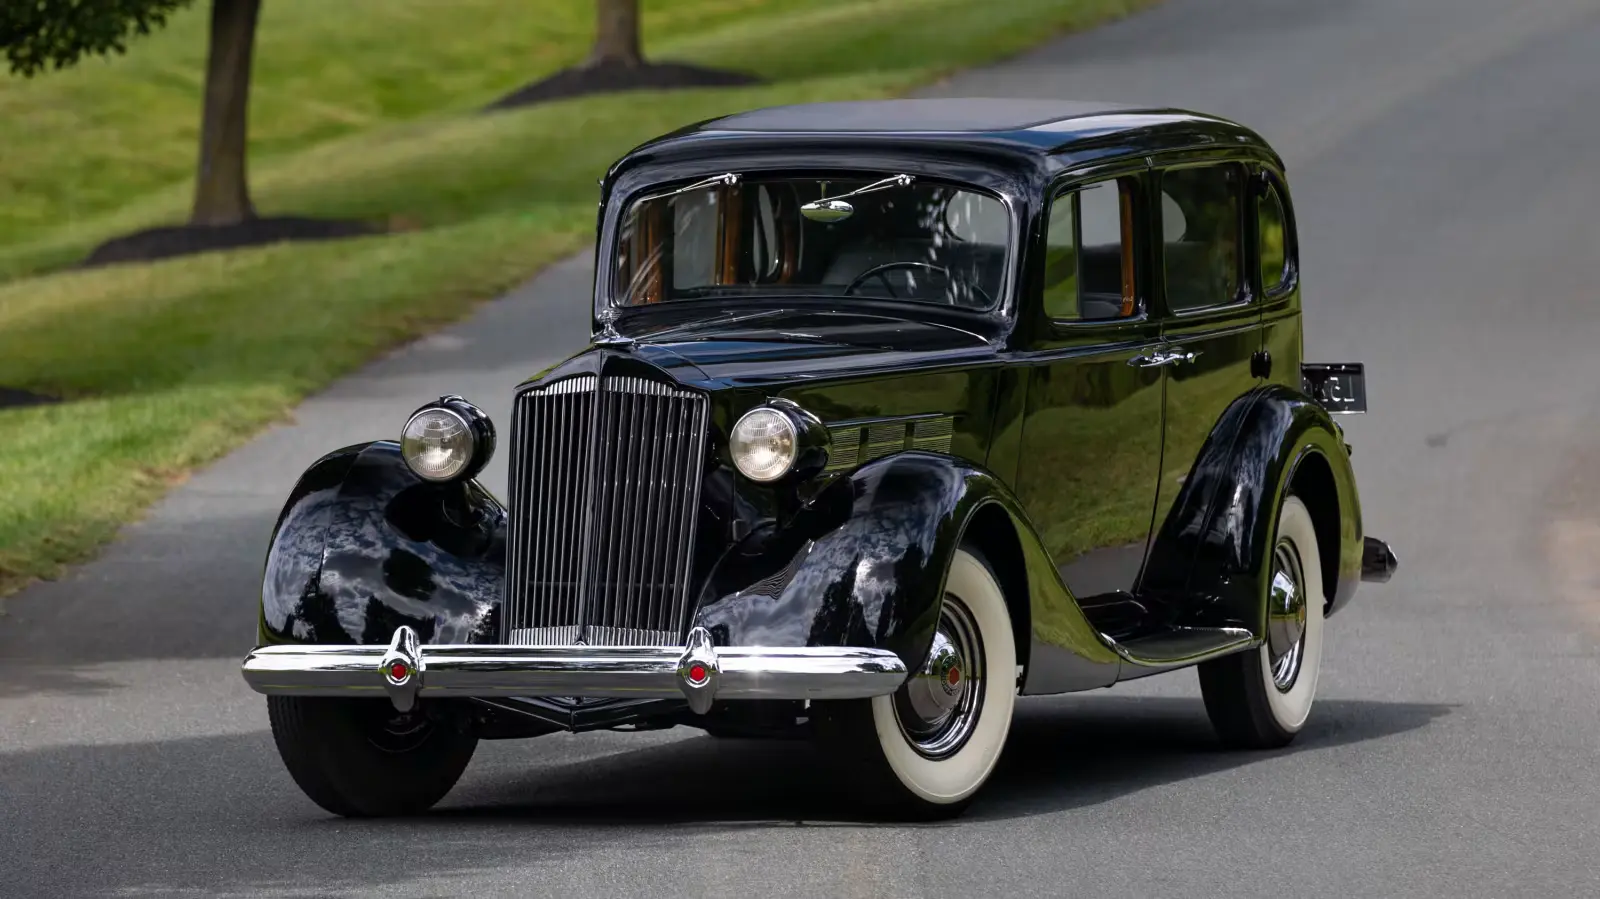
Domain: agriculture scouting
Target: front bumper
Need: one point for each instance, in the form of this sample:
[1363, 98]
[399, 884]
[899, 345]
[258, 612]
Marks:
[699, 672]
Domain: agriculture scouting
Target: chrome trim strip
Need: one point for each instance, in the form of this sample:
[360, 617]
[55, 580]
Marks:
[862, 440]
[699, 672]
[1183, 646]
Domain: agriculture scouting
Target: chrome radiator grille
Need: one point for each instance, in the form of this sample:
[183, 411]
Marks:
[605, 485]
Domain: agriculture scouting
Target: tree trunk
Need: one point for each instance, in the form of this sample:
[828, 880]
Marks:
[221, 195]
[616, 36]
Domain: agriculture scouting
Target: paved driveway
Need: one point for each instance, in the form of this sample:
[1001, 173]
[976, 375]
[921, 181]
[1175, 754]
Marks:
[1443, 155]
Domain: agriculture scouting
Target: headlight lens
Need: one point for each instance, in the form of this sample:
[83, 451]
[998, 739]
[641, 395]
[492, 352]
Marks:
[764, 444]
[437, 444]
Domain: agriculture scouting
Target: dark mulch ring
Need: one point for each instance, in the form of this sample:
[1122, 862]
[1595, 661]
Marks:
[181, 240]
[604, 79]
[11, 397]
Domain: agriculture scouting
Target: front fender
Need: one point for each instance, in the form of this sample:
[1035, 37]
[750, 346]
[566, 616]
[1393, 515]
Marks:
[363, 546]
[864, 565]
[1213, 549]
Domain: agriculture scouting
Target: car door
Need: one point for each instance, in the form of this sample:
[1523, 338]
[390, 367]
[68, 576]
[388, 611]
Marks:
[1210, 325]
[1090, 447]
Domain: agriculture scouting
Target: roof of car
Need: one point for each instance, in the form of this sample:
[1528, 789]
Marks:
[1029, 127]
[962, 114]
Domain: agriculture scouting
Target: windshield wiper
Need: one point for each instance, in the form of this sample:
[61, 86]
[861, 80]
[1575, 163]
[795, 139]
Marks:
[727, 318]
[727, 179]
[835, 209]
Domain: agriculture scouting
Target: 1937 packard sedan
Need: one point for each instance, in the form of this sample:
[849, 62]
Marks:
[892, 412]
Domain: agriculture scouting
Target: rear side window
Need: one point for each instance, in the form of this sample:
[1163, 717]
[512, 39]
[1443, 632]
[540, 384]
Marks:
[1270, 218]
[1200, 223]
[1089, 273]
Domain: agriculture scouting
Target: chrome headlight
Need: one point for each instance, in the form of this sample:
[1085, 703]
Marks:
[771, 441]
[764, 444]
[447, 440]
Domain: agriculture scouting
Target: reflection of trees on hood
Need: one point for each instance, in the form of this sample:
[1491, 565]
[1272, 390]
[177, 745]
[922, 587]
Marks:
[315, 619]
[295, 556]
[369, 566]
[859, 579]
[372, 578]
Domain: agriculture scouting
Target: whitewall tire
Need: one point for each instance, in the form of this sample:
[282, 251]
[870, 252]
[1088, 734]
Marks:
[1262, 698]
[927, 748]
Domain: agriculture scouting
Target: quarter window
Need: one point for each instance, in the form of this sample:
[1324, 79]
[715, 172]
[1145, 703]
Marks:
[1270, 218]
[1200, 221]
[1089, 254]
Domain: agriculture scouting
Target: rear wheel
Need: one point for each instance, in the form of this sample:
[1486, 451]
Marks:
[1261, 699]
[361, 758]
[927, 748]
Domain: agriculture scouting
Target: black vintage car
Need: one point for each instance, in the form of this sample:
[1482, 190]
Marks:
[892, 412]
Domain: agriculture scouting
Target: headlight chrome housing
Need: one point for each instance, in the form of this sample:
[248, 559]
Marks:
[776, 439]
[447, 440]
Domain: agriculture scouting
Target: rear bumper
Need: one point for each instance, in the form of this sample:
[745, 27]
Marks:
[699, 672]
[1378, 561]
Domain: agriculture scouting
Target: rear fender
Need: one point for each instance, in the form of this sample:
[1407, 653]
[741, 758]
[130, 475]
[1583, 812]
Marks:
[363, 546]
[864, 565]
[1212, 554]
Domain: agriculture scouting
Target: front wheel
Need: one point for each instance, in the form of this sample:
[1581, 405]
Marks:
[361, 758]
[1260, 700]
[927, 748]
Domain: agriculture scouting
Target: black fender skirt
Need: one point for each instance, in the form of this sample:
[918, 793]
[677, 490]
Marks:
[864, 564]
[363, 546]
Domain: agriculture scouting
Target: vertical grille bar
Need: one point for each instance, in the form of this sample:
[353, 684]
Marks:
[605, 488]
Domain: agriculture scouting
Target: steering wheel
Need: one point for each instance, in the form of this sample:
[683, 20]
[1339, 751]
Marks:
[880, 271]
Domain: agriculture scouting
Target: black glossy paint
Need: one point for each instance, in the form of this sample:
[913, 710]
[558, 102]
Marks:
[1111, 501]
[864, 565]
[364, 546]
[1209, 559]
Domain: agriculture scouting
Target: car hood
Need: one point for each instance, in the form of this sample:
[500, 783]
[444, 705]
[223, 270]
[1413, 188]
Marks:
[760, 347]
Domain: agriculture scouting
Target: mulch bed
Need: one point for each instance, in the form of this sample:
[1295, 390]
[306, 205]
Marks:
[11, 397]
[182, 240]
[605, 79]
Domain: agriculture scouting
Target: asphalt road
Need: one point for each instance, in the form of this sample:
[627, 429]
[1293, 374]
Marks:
[1443, 156]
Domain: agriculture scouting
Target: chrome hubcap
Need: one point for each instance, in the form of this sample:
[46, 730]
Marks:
[1286, 617]
[938, 707]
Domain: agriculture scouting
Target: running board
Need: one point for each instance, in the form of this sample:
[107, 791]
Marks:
[1183, 646]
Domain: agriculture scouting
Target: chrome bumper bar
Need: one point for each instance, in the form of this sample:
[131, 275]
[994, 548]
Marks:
[699, 672]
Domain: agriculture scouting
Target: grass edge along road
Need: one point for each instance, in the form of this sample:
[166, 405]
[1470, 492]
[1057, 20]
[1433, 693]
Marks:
[164, 367]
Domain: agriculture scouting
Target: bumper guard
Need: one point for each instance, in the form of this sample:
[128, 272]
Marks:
[699, 671]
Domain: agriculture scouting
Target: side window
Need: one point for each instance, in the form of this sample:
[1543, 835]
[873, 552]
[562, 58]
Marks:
[1270, 218]
[1200, 223]
[1088, 273]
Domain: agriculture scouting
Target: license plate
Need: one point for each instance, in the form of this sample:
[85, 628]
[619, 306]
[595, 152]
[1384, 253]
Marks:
[1339, 387]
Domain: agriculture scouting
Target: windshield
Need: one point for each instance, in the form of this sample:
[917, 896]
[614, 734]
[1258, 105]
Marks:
[867, 237]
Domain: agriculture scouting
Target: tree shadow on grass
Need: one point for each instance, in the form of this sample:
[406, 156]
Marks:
[582, 81]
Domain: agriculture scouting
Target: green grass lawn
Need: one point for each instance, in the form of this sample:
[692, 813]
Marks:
[368, 109]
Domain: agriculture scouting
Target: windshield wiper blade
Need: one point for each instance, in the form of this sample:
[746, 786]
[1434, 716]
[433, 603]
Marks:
[724, 319]
[727, 179]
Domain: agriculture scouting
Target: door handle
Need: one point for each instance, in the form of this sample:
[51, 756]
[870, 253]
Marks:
[1168, 356]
